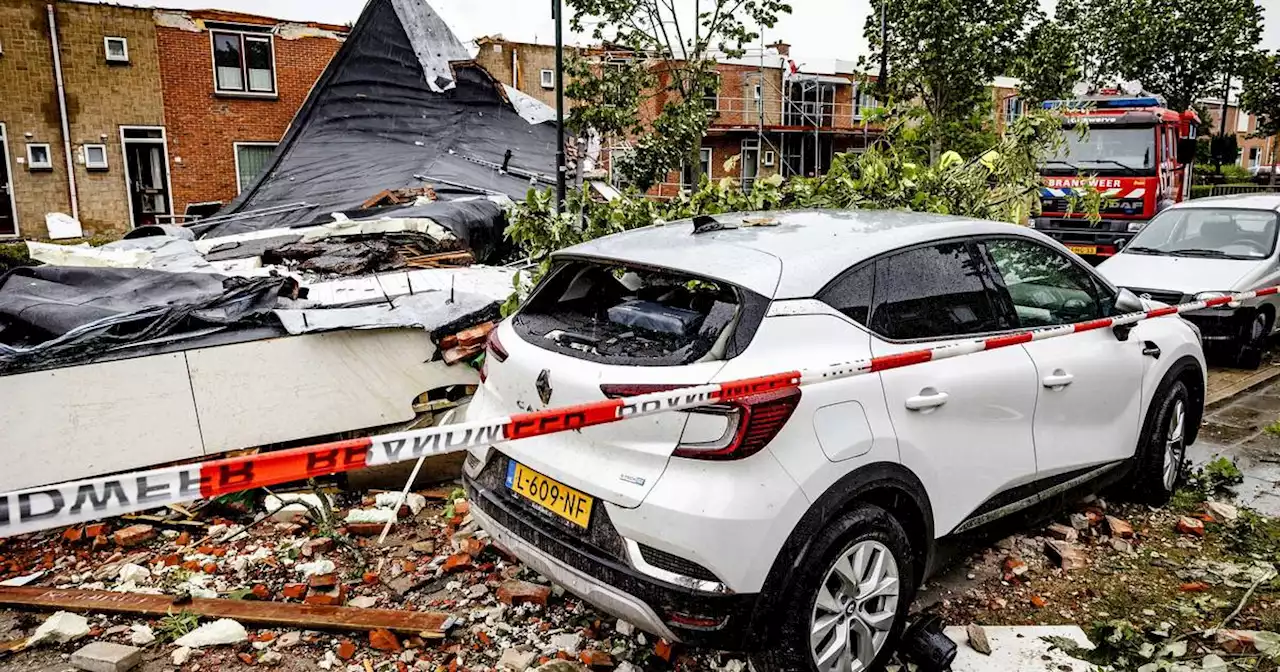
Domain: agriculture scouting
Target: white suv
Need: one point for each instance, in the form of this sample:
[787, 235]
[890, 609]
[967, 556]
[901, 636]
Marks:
[797, 524]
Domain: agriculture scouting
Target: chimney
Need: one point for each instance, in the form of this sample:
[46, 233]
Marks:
[781, 47]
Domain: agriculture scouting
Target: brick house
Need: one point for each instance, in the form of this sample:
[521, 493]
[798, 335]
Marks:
[111, 82]
[773, 119]
[232, 84]
[146, 131]
[1255, 152]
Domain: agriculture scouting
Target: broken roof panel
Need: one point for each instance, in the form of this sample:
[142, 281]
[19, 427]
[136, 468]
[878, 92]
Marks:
[399, 106]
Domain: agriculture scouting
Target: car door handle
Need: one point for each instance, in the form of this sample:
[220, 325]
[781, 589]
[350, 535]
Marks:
[927, 399]
[1058, 379]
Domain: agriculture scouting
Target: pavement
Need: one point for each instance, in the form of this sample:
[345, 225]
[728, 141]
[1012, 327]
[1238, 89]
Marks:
[1240, 406]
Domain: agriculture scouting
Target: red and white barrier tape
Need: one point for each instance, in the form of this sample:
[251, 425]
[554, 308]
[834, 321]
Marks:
[54, 506]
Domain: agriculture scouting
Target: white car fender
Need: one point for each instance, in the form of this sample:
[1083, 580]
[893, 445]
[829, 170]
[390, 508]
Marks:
[1177, 340]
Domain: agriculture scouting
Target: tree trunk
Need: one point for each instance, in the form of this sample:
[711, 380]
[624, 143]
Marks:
[1275, 146]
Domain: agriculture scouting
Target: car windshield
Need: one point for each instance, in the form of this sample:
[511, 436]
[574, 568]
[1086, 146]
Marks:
[1108, 149]
[1208, 232]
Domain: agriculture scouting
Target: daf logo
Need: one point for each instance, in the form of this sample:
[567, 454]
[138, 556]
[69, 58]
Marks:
[544, 387]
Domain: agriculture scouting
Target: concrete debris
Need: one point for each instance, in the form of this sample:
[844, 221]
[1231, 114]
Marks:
[286, 509]
[1222, 511]
[380, 516]
[624, 628]
[570, 643]
[130, 572]
[321, 566]
[106, 657]
[978, 639]
[517, 660]
[387, 500]
[289, 639]
[1019, 648]
[561, 666]
[1121, 546]
[219, 632]
[141, 634]
[181, 655]
[60, 628]
[362, 602]
[1079, 522]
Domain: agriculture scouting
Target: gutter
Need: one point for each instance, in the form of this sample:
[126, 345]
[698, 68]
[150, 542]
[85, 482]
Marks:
[62, 115]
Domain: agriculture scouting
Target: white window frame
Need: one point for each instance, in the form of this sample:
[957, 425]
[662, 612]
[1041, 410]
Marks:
[106, 47]
[47, 164]
[8, 171]
[547, 78]
[769, 159]
[236, 150]
[163, 141]
[861, 101]
[95, 165]
[1012, 108]
[244, 63]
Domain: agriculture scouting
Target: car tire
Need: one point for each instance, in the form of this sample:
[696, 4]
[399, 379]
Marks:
[1252, 342]
[1162, 447]
[867, 542]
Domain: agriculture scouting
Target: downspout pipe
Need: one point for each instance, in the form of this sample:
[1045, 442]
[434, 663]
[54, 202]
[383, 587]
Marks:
[62, 112]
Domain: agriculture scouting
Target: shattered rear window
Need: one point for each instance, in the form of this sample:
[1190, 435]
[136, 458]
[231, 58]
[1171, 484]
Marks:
[616, 314]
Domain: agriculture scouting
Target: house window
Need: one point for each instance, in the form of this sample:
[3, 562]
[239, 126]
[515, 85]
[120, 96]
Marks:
[863, 101]
[618, 159]
[548, 79]
[243, 63]
[1254, 157]
[39, 157]
[251, 160]
[117, 49]
[750, 160]
[1012, 109]
[95, 157]
[770, 158]
[687, 178]
[711, 94]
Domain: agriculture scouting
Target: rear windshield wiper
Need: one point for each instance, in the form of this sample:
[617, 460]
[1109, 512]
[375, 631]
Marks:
[1145, 250]
[1068, 164]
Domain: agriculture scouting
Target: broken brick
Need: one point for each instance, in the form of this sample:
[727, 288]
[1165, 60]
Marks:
[320, 545]
[1194, 587]
[594, 658]
[1038, 602]
[266, 637]
[473, 546]
[323, 580]
[183, 539]
[365, 529]
[384, 640]
[73, 534]
[95, 530]
[371, 578]
[327, 597]
[1066, 555]
[1235, 641]
[474, 335]
[1013, 567]
[1119, 528]
[409, 566]
[346, 649]
[461, 507]
[1188, 525]
[294, 591]
[134, 535]
[457, 562]
[171, 560]
[245, 658]
[663, 649]
[1062, 532]
[260, 591]
[209, 568]
[522, 592]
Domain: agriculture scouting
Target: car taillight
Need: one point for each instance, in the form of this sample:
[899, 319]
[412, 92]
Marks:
[494, 349]
[751, 422]
[494, 346]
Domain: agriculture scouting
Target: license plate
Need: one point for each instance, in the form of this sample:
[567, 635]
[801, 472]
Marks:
[550, 494]
[1083, 249]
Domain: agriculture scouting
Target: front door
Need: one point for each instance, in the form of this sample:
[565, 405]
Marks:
[1089, 385]
[8, 222]
[147, 167]
[963, 424]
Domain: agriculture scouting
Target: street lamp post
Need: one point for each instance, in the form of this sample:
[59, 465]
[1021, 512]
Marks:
[556, 11]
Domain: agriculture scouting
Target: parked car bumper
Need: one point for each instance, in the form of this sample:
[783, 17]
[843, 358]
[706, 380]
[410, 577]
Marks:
[1102, 239]
[609, 582]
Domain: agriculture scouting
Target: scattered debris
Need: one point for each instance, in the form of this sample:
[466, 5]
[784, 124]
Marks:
[106, 657]
[1118, 528]
[1068, 556]
[1062, 532]
[219, 632]
[978, 639]
[1190, 526]
[1222, 511]
[60, 628]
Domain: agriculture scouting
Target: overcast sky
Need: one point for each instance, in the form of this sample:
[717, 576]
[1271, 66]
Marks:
[815, 28]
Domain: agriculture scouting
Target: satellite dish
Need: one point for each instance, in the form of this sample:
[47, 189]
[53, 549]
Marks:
[1081, 89]
[1132, 87]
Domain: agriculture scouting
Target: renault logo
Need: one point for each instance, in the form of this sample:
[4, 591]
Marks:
[544, 387]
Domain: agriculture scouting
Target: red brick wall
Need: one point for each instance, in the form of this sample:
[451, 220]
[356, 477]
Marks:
[203, 127]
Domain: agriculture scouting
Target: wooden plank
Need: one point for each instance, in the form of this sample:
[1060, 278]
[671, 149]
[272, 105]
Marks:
[262, 614]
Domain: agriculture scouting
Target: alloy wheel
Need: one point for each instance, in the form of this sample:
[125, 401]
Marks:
[855, 608]
[1175, 448]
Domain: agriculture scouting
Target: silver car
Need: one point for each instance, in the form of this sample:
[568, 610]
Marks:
[1204, 248]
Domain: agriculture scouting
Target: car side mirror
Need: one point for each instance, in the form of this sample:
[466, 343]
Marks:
[1126, 302]
[1186, 151]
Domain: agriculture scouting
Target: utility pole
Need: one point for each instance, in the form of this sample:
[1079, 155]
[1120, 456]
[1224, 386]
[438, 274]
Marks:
[556, 10]
[1222, 126]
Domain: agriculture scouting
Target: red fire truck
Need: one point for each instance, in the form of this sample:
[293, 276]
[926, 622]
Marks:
[1137, 152]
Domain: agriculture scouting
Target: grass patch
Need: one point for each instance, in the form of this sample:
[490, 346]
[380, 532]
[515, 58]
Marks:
[174, 626]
